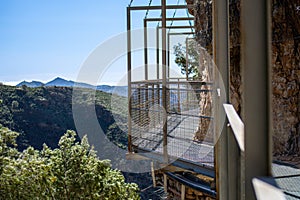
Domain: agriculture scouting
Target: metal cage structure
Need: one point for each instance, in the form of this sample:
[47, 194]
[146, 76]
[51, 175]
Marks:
[165, 112]
[182, 120]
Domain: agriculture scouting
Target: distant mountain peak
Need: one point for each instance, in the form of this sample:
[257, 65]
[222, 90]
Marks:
[30, 84]
[59, 79]
[60, 82]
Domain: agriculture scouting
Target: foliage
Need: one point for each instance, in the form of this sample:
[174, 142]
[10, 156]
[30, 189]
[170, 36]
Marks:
[42, 114]
[71, 171]
[45, 113]
[15, 105]
[115, 135]
[182, 53]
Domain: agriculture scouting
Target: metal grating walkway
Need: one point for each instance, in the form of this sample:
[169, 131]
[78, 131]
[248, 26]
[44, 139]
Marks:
[181, 143]
[287, 178]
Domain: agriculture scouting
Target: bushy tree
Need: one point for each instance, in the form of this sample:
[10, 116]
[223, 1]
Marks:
[72, 171]
[15, 105]
[182, 53]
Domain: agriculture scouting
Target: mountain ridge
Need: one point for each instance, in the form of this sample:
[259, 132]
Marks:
[60, 82]
[30, 84]
[43, 114]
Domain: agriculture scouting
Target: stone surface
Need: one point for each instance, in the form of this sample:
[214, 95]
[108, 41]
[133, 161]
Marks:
[285, 62]
[285, 78]
[203, 27]
[235, 57]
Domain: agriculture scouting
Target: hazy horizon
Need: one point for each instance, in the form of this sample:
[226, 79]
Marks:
[41, 40]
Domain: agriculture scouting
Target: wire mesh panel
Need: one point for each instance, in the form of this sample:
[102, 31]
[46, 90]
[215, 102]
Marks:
[184, 120]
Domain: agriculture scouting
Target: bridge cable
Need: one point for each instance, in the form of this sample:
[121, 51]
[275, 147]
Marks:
[147, 12]
[159, 21]
[174, 14]
[188, 15]
[129, 5]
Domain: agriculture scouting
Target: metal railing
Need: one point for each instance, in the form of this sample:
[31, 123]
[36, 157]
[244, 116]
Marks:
[183, 121]
[264, 187]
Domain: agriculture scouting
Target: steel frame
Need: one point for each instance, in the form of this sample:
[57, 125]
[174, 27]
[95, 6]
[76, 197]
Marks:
[146, 20]
[165, 72]
[256, 62]
[234, 169]
[221, 57]
[163, 9]
[194, 167]
[169, 39]
[187, 57]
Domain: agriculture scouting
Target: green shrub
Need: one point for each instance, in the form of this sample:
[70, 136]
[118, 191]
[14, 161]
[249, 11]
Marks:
[72, 171]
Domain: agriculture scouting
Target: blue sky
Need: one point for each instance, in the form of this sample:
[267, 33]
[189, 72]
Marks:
[43, 39]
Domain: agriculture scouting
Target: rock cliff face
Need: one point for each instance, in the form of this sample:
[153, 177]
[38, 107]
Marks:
[285, 60]
[235, 56]
[286, 75]
[203, 25]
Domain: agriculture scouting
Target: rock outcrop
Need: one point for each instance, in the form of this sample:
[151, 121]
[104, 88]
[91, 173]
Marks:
[286, 75]
[285, 62]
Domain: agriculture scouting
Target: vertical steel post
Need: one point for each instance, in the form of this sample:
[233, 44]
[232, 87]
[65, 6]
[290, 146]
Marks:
[221, 57]
[153, 107]
[139, 105]
[158, 87]
[178, 96]
[187, 69]
[164, 82]
[153, 175]
[146, 65]
[168, 57]
[157, 53]
[168, 70]
[186, 60]
[145, 49]
[256, 75]
[129, 77]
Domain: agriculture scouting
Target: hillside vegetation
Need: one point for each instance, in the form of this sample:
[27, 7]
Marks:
[43, 114]
[72, 171]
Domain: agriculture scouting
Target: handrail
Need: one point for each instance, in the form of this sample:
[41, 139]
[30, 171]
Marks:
[183, 117]
[236, 124]
[265, 188]
[171, 81]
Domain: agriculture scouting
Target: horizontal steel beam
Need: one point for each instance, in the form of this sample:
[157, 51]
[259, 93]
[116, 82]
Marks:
[179, 27]
[182, 33]
[206, 189]
[159, 81]
[169, 7]
[184, 164]
[170, 19]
